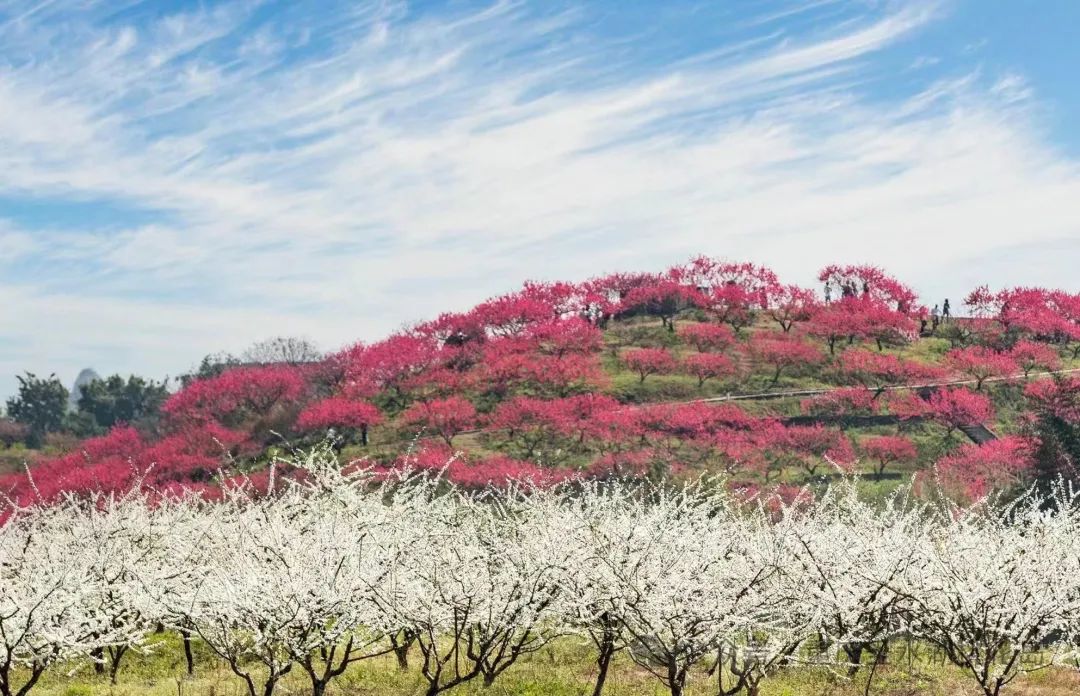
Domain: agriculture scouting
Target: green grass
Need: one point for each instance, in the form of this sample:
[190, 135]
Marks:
[565, 668]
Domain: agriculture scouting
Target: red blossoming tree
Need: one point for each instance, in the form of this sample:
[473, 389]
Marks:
[790, 304]
[733, 292]
[1029, 356]
[648, 361]
[706, 337]
[980, 364]
[973, 470]
[784, 353]
[886, 450]
[879, 371]
[706, 366]
[446, 418]
[958, 407]
[337, 412]
[248, 397]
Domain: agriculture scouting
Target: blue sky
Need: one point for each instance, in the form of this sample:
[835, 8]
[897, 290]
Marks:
[178, 177]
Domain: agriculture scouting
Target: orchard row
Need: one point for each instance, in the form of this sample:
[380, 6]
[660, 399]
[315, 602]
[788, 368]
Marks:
[344, 565]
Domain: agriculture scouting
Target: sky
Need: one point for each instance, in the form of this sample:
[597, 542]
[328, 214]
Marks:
[179, 178]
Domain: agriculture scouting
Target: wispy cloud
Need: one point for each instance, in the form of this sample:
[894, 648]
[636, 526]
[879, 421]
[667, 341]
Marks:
[270, 168]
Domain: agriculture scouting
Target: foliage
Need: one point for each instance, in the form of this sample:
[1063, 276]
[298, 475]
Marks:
[113, 401]
[40, 405]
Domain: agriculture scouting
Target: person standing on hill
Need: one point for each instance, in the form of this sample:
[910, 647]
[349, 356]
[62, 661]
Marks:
[945, 313]
[935, 318]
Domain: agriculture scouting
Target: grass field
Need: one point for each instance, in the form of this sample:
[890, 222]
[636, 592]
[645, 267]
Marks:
[563, 669]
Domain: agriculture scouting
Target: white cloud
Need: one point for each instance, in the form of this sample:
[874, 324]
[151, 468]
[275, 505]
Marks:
[340, 175]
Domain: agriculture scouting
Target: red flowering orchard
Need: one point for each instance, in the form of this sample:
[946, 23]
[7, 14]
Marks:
[192, 454]
[533, 425]
[815, 445]
[510, 315]
[908, 405]
[1068, 306]
[512, 365]
[648, 361]
[337, 412]
[539, 364]
[1033, 312]
[101, 464]
[446, 418]
[561, 337]
[885, 450]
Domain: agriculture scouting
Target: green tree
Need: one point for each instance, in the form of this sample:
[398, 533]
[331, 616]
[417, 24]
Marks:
[211, 366]
[40, 405]
[107, 402]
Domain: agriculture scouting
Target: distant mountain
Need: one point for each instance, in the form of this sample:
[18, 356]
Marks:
[85, 377]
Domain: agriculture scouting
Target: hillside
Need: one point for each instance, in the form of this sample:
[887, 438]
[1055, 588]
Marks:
[710, 366]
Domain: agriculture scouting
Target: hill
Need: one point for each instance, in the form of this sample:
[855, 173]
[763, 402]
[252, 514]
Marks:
[710, 366]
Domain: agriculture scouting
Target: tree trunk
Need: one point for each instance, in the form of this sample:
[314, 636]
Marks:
[402, 655]
[189, 657]
[676, 679]
[401, 648]
[5, 681]
[603, 662]
[115, 655]
[854, 653]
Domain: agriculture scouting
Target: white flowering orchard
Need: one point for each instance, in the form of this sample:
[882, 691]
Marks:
[337, 568]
